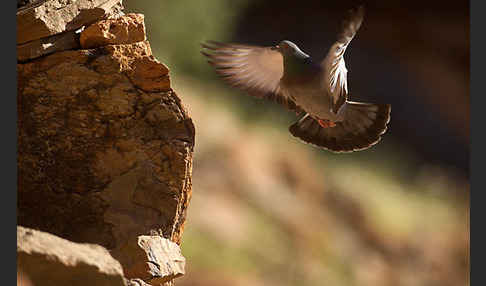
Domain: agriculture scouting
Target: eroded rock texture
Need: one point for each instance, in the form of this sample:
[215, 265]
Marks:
[105, 148]
[98, 154]
[126, 30]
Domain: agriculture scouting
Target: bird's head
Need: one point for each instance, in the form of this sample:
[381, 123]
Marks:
[287, 48]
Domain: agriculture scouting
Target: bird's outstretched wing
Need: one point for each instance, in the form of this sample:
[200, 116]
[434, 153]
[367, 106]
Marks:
[334, 68]
[256, 70]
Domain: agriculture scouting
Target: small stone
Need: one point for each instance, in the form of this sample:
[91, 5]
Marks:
[126, 29]
[150, 75]
[152, 258]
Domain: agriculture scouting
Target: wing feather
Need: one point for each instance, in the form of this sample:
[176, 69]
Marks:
[256, 70]
[334, 67]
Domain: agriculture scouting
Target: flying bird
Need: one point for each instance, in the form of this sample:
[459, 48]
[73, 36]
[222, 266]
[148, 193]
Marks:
[316, 91]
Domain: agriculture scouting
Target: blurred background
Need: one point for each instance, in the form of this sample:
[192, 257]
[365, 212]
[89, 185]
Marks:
[270, 210]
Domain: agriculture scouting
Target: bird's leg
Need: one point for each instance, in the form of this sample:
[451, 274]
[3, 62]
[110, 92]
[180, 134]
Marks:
[325, 123]
[341, 110]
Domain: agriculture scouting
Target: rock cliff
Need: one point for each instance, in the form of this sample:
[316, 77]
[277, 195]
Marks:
[104, 143]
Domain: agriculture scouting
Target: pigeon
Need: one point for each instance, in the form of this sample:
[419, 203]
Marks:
[317, 91]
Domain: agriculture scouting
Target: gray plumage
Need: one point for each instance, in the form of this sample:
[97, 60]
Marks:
[318, 91]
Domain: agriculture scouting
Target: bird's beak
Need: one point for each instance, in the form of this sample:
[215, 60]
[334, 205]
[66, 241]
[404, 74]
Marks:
[277, 47]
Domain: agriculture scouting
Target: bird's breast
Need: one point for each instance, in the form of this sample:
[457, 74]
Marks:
[312, 98]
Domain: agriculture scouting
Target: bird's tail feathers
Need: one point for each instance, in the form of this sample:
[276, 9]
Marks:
[362, 127]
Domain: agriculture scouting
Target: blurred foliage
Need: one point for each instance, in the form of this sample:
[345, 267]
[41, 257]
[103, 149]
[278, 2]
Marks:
[269, 210]
[177, 27]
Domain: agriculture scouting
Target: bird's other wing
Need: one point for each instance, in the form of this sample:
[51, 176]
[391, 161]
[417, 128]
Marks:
[256, 70]
[334, 69]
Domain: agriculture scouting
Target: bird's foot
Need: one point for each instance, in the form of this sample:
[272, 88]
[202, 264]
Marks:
[326, 123]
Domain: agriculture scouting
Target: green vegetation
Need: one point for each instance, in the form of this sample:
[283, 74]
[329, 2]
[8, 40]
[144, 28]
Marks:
[176, 28]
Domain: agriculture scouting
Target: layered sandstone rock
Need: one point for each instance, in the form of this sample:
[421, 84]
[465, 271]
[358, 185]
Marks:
[48, 26]
[104, 143]
[47, 18]
[49, 260]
